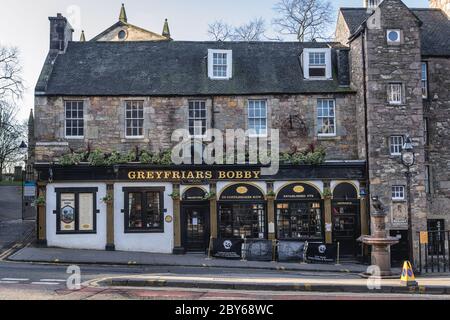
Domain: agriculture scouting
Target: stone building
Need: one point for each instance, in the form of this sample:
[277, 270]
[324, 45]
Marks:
[357, 99]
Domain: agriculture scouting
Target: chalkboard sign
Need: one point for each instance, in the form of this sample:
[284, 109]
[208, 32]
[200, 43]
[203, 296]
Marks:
[291, 251]
[321, 252]
[258, 250]
[227, 248]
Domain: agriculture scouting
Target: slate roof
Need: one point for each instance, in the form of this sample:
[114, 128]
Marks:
[435, 29]
[180, 68]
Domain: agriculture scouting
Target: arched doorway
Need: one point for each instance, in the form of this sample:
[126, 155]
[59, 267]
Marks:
[299, 213]
[195, 219]
[346, 218]
[242, 212]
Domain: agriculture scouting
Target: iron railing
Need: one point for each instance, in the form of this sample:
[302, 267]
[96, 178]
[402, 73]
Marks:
[434, 256]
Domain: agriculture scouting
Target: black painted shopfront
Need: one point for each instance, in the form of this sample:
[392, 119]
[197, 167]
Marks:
[242, 212]
[195, 220]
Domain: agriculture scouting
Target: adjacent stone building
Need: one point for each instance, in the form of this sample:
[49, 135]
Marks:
[383, 79]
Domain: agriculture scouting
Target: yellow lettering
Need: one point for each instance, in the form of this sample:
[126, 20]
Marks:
[208, 175]
[141, 175]
[230, 175]
[248, 175]
[256, 174]
[176, 175]
[190, 175]
[158, 175]
[239, 175]
[200, 175]
[150, 175]
[222, 175]
[167, 174]
[132, 175]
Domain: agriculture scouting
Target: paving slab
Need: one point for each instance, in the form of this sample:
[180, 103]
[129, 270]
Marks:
[58, 255]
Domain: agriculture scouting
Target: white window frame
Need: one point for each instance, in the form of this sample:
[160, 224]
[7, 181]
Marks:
[306, 63]
[393, 95]
[73, 119]
[202, 136]
[326, 117]
[399, 33]
[396, 144]
[265, 117]
[424, 78]
[229, 54]
[396, 192]
[126, 118]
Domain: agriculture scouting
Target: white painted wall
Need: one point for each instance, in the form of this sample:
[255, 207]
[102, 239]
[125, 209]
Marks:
[142, 242]
[76, 241]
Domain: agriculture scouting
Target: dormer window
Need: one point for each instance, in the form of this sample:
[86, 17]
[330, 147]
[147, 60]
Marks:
[220, 64]
[317, 63]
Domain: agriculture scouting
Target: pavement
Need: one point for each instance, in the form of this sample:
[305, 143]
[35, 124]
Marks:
[76, 256]
[437, 285]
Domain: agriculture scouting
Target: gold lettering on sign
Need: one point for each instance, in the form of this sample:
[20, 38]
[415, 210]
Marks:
[141, 175]
[191, 175]
[176, 175]
[208, 175]
[256, 174]
[222, 175]
[131, 175]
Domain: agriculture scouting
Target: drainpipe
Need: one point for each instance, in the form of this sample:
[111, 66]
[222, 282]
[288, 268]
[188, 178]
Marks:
[363, 51]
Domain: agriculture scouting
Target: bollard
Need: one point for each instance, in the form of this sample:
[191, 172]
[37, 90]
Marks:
[338, 253]
[209, 248]
[244, 252]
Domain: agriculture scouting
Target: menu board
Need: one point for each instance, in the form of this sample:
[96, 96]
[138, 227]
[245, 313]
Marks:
[67, 217]
[86, 211]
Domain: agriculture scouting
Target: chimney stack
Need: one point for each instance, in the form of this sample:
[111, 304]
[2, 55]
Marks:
[371, 5]
[60, 33]
[444, 5]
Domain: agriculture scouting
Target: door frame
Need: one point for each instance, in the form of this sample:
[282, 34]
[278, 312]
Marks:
[204, 205]
[357, 204]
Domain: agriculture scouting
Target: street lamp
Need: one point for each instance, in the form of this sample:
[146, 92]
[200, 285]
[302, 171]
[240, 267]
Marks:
[408, 160]
[23, 150]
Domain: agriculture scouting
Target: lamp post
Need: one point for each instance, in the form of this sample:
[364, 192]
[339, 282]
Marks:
[23, 149]
[408, 160]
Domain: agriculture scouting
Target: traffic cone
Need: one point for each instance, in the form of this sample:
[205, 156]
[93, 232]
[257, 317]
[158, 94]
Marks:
[408, 279]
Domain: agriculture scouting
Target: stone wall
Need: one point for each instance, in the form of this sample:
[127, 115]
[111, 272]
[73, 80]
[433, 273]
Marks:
[437, 110]
[401, 64]
[132, 34]
[295, 116]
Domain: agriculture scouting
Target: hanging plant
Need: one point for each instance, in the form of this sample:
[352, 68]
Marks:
[108, 198]
[175, 195]
[210, 195]
[327, 193]
[271, 194]
[40, 201]
[146, 157]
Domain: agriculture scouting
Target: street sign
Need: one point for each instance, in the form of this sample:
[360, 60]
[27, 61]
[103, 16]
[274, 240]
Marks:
[29, 189]
[424, 237]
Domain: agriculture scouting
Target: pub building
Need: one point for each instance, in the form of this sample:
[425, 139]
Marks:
[128, 89]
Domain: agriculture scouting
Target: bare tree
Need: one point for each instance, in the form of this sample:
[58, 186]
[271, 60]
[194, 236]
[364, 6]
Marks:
[11, 82]
[220, 31]
[253, 31]
[308, 20]
[11, 134]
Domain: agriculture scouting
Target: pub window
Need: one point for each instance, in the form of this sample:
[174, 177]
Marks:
[396, 145]
[424, 80]
[301, 220]
[74, 111]
[398, 193]
[395, 93]
[76, 210]
[257, 117]
[144, 209]
[197, 118]
[134, 119]
[326, 117]
[242, 220]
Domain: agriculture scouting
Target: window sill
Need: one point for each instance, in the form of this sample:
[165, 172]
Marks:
[327, 136]
[143, 231]
[75, 138]
[75, 232]
[134, 137]
[399, 200]
[220, 78]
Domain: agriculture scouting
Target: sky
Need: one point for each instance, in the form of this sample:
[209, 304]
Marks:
[25, 24]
